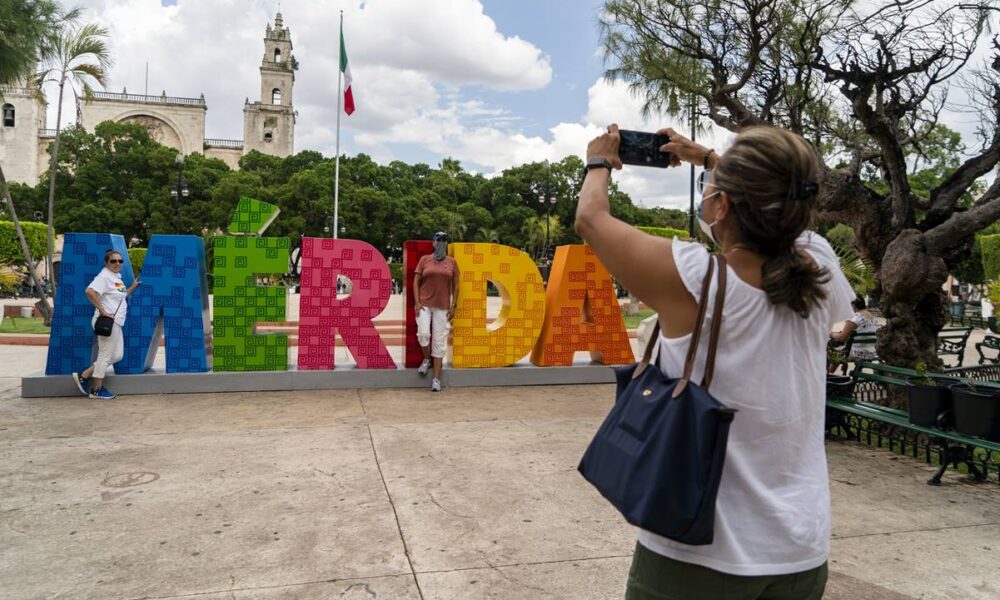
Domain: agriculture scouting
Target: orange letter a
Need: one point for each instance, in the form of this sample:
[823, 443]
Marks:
[579, 281]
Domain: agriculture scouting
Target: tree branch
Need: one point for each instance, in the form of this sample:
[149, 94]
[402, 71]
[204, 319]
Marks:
[963, 224]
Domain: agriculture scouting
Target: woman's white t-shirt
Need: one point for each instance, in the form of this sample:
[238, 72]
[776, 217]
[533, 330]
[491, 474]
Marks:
[773, 510]
[113, 293]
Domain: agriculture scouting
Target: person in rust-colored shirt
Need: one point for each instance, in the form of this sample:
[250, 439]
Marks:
[435, 294]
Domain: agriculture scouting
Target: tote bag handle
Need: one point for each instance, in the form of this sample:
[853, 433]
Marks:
[713, 335]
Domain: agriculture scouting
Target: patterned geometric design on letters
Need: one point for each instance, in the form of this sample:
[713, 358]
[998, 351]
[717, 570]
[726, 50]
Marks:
[513, 334]
[322, 315]
[578, 279]
[172, 301]
[412, 251]
[71, 339]
[239, 303]
[252, 217]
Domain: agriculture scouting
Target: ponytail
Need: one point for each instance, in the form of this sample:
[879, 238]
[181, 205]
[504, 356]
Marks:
[772, 179]
[792, 279]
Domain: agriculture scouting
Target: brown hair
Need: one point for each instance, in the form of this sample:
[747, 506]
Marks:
[109, 253]
[771, 177]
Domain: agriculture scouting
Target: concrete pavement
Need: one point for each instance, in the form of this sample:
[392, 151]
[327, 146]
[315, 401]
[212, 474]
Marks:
[398, 494]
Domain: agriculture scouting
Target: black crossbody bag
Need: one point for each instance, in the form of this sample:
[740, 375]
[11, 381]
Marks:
[104, 325]
[658, 456]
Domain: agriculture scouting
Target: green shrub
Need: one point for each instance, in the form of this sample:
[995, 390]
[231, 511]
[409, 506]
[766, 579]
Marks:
[10, 246]
[667, 232]
[136, 256]
[990, 247]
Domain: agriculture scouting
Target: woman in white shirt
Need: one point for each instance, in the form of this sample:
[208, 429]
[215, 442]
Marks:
[785, 291]
[863, 321]
[107, 292]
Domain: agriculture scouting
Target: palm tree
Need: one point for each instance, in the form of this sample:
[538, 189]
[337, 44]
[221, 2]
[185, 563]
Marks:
[488, 234]
[27, 35]
[80, 56]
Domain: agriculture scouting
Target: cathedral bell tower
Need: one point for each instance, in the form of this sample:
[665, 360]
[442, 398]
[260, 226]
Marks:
[269, 124]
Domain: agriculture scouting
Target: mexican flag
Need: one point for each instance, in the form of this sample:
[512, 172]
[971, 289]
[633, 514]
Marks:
[346, 70]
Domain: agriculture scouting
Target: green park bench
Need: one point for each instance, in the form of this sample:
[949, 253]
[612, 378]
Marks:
[990, 342]
[969, 321]
[859, 416]
[952, 342]
[854, 338]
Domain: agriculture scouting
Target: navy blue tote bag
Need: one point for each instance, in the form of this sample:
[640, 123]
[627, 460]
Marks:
[659, 454]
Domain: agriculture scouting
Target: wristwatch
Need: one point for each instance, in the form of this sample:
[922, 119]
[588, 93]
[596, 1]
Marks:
[598, 162]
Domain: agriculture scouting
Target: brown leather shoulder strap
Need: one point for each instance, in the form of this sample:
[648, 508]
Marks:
[713, 334]
[696, 334]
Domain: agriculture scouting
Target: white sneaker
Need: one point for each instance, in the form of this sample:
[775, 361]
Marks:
[436, 385]
[424, 367]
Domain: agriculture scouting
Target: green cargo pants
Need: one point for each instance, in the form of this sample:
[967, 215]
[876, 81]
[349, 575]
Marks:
[656, 577]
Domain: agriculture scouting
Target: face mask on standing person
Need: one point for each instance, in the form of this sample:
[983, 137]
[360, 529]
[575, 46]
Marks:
[440, 240]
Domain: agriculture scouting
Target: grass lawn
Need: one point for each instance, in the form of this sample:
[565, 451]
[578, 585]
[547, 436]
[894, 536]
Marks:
[632, 321]
[22, 325]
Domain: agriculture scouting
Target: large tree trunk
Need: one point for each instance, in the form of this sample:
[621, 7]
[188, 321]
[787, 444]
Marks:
[53, 163]
[913, 304]
[43, 301]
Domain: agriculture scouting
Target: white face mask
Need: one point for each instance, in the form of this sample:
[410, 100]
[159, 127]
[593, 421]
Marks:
[705, 227]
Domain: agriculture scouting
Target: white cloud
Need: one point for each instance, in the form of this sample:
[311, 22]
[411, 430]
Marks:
[401, 53]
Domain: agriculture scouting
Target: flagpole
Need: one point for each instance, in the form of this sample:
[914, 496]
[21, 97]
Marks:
[340, 99]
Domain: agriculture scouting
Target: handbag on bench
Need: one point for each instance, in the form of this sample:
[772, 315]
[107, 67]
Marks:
[659, 454]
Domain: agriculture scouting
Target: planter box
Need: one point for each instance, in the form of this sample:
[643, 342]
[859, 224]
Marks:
[928, 405]
[839, 386]
[977, 412]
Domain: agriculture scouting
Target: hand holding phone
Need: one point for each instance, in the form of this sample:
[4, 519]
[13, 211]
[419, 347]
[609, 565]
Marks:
[643, 149]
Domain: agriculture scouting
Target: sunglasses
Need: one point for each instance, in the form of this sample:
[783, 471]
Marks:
[704, 180]
[116, 261]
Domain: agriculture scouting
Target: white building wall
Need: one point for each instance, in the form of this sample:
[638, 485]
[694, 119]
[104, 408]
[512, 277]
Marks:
[19, 144]
[171, 122]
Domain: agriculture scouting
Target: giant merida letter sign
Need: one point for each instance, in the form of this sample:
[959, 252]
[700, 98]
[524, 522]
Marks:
[240, 302]
[578, 311]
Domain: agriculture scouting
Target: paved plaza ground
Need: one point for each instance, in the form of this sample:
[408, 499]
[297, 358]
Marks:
[467, 494]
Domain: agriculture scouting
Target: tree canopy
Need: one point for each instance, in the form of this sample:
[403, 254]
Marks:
[118, 179]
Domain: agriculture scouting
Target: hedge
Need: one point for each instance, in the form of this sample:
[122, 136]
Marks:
[667, 232]
[990, 247]
[10, 246]
[136, 256]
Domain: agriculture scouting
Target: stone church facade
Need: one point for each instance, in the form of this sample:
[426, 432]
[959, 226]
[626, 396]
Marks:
[268, 124]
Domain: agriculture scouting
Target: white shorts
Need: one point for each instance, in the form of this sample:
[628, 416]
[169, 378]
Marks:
[434, 323]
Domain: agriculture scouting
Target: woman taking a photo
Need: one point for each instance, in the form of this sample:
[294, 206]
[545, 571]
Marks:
[784, 292]
[107, 292]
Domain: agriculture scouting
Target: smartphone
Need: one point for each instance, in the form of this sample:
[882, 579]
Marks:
[643, 149]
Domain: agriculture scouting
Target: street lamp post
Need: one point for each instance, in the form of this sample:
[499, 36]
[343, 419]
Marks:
[549, 203]
[178, 190]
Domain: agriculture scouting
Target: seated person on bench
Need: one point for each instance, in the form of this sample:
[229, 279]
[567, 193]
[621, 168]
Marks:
[862, 322]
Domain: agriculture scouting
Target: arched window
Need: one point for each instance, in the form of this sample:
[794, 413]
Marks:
[275, 96]
[277, 55]
[8, 115]
[267, 136]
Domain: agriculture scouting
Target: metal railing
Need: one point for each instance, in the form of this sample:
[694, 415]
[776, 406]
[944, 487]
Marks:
[47, 133]
[20, 91]
[143, 99]
[237, 144]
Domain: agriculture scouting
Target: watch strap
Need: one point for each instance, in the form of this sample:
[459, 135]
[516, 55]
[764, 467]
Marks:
[598, 162]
